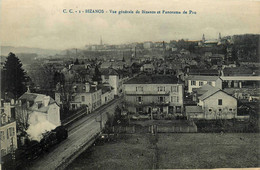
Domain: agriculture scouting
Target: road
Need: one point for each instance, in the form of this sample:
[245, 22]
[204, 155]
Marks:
[80, 133]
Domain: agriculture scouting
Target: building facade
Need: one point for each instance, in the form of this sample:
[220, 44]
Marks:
[8, 135]
[197, 81]
[147, 94]
[213, 103]
[37, 108]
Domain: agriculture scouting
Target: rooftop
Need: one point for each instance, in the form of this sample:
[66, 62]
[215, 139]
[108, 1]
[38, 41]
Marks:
[36, 101]
[154, 79]
[241, 71]
[208, 91]
[205, 78]
[108, 71]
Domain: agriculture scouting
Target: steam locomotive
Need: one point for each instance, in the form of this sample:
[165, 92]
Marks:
[32, 149]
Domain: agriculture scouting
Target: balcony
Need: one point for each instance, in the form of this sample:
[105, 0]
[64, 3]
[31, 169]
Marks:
[136, 104]
[147, 93]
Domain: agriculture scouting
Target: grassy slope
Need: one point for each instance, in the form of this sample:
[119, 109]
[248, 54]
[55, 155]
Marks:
[175, 150]
[206, 150]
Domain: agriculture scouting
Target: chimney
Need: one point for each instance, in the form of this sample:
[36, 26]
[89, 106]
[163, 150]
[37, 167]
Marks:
[28, 89]
[28, 104]
[46, 101]
[87, 87]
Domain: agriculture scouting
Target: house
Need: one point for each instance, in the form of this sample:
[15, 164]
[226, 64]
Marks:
[113, 64]
[202, 72]
[147, 44]
[108, 94]
[212, 103]
[84, 95]
[39, 108]
[155, 93]
[113, 78]
[185, 52]
[196, 81]
[7, 128]
[148, 68]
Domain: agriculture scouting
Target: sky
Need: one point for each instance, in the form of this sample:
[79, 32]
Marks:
[43, 24]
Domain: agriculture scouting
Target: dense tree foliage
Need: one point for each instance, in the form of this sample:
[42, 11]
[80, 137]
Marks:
[13, 77]
[97, 75]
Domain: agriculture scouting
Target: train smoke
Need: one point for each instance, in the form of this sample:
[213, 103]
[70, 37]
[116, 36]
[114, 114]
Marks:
[36, 131]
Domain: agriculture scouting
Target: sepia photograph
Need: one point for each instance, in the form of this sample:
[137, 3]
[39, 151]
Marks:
[134, 84]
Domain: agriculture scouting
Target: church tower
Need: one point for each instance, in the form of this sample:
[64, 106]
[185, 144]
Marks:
[203, 38]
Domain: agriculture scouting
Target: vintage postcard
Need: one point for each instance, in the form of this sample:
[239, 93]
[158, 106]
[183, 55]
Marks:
[136, 84]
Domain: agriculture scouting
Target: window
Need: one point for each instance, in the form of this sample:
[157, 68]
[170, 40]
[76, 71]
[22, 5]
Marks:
[161, 88]
[82, 98]
[73, 98]
[210, 83]
[210, 110]
[230, 109]
[2, 135]
[201, 83]
[219, 101]
[193, 83]
[3, 152]
[11, 130]
[161, 99]
[139, 99]
[4, 118]
[7, 134]
[139, 109]
[219, 110]
[139, 88]
[175, 99]
[178, 109]
[174, 89]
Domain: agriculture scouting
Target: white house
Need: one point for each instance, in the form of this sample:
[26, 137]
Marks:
[112, 77]
[156, 93]
[197, 81]
[213, 103]
[84, 95]
[108, 94]
[39, 107]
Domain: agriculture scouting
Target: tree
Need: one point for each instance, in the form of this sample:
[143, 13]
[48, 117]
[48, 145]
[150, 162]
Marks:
[14, 77]
[22, 117]
[76, 62]
[97, 75]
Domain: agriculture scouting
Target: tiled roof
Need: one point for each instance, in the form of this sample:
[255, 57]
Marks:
[203, 78]
[154, 79]
[240, 71]
[208, 93]
[108, 71]
[205, 72]
[106, 89]
[36, 101]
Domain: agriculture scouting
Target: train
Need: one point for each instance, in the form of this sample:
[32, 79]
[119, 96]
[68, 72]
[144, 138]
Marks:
[33, 149]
